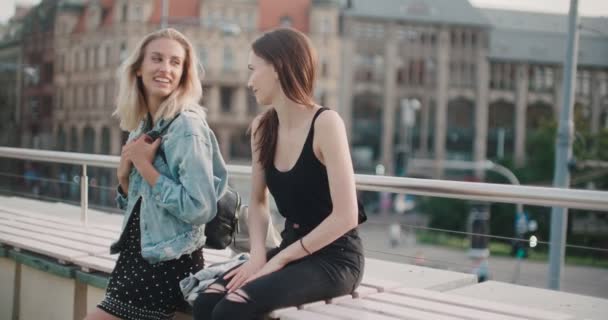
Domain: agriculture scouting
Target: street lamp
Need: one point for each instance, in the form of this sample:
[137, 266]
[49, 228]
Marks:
[408, 121]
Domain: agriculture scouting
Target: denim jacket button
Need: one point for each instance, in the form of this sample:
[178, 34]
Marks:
[157, 198]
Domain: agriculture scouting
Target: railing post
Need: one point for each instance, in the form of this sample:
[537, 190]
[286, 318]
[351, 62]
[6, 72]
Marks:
[84, 195]
[563, 153]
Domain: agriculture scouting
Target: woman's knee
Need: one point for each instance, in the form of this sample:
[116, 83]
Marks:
[205, 302]
[234, 306]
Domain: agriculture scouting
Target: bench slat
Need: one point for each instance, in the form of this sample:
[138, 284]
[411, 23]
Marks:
[52, 218]
[433, 307]
[63, 242]
[343, 312]
[400, 311]
[96, 263]
[40, 247]
[90, 239]
[59, 226]
[305, 315]
[517, 311]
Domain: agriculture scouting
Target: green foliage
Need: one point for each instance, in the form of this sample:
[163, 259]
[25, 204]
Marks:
[445, 213]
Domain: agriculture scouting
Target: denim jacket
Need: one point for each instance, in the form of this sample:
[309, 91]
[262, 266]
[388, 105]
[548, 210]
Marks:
[173, 211]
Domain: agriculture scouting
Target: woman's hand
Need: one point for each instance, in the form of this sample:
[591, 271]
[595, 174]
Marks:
[124, 168]
[275, 264]
[140, 152]
[241, 274]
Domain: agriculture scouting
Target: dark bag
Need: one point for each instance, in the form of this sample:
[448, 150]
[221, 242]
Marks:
[362, 215]
[220, 231]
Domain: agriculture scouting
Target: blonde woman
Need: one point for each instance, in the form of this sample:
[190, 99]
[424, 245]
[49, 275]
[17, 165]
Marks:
[168, 187]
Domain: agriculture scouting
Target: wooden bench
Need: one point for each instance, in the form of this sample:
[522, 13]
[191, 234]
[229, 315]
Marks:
[490, 292]
[419, 304]
[78, 259]
[47, 217]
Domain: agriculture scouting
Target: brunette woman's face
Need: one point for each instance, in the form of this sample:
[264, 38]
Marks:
[162, 67]
[263, 81]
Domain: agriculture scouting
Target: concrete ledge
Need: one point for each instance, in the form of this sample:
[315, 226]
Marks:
[8, 275]
[46, 295]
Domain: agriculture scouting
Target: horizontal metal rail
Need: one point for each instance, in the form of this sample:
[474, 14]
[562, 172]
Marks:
[491, 192]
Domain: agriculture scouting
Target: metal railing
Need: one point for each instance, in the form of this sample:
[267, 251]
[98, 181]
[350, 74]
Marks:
[490, 192]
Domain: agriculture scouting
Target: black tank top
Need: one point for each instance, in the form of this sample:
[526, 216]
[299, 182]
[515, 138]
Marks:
[302, 193]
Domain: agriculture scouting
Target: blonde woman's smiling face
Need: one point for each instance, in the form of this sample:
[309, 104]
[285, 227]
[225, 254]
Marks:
[162, 67]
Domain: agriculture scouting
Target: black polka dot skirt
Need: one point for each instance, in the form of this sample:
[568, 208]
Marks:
[140, 290]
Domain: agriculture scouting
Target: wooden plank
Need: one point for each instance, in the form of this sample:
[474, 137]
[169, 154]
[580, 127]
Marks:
[51, 218]
[393, 310]
[277, 314]
[507, 309]
[363, 291]
[62, 242]
[344, 312]
[417, 276]
[305, 315]
[95, 263]
[50, 250]
[437, 307]
[58, 226]
[85, 238]
[379, 284]
[579, 306]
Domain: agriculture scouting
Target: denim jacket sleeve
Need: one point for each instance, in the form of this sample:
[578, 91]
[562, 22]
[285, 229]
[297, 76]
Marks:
[192, 195]
[121, 198]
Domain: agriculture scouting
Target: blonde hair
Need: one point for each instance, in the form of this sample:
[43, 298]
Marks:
[131, 101]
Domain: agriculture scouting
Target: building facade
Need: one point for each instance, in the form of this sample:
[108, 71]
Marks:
[92, 42]
[412, 79]
[481, 80]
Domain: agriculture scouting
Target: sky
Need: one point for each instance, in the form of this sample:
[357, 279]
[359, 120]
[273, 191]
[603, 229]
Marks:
[586, 7]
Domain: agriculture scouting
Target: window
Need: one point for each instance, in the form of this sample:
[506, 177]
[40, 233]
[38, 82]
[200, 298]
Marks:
[100, 95]
[124, 13]
[108, 57]
[549, 78]
[228, 59]
[35, 108]
[123, 52]
[58, 101]
[324, 68]
[226, 94]
[325, 26]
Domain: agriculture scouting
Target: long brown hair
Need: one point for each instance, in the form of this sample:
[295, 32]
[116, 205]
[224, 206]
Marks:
[294, 60]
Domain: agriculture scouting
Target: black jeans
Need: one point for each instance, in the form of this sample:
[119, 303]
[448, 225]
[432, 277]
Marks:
[330, 272]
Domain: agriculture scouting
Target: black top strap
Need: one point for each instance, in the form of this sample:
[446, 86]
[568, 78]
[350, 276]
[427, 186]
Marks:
[317, 114]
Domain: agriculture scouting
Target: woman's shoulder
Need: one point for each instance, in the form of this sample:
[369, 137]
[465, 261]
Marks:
[191, 121]
[329, 121]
